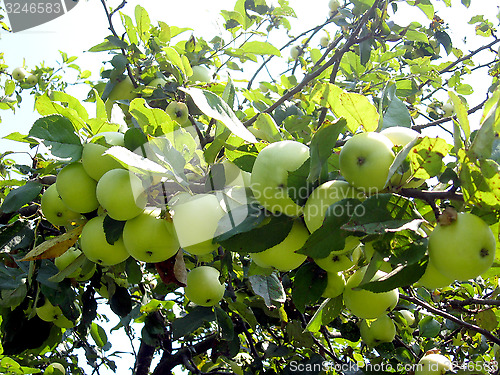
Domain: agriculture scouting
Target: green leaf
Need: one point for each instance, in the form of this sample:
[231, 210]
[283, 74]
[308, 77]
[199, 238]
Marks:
[308, 285]
[322, 144]
[487, 319]
[46, 106]
[429, 327]
[129, 28]
[384, 213]
[231, 223]
[268, 287]
[490, 125]
[104, 46]
[326, 312]
[244, 156]
[58, 134]
[143, 23]
[298, 186]
[121, 302]
[151, 120]
[396, 113]
[113, 229]
[98, 335]
[444, 39]
[260, 238]
[213, 106]
[21, 196]
[71, 101]
[398, 278]
[461, 112]
[189, 323]
[226, 326]
[260, 48]
[357, 110]
[426, 157]
[173, 56]
[266, 124]
[10, 87]
[18, 137]
[330, 236]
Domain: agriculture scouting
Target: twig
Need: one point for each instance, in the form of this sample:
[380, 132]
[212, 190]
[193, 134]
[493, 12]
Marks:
[475, 301]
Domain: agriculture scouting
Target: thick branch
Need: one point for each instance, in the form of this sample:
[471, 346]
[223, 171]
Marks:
[474, 301]
[490, 336]
[143, 359]
[167, 363]
[427, 195]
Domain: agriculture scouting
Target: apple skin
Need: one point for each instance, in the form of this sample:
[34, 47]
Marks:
[433, 279]
[433, 364]
[203, 286]
[408, 316]
[200, 74]
[95, 247]
[448, 109]
[333, 5]
[365, 160]
[121, 194]
[364, 303]
[178, 112]
[324, 41]
[19, 73]
[123, 90]
[68, 257]
[283, 256]
[150, 239]
[334, 262]
[54, 209]
[463, 249]
[95, 163]
[335, 285]
[377, 331]
[195, 221]
[77, 189]
[295, 52]
[32, 80]
[270, 175]
[48, 312]
[54, 369]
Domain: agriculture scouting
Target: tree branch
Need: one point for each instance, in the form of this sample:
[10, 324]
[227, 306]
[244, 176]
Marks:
[489, 335]
[427, 195]
[143, 359]
[475, 301]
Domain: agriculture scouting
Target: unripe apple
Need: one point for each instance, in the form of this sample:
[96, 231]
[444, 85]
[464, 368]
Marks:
[150, 239]
[335, 285]
[32, 80]
[195, 220]
[408, 316]
[48, 312]
[200, 74]
[283, 256]
[54, 369]
[93, 160]
[66, 258]
[377, 331]
[324, 41]
[54, 209]
[364, 303]
[448, 109]
[463, 249]
[123, 90]
[270, 175]
[433, 364]
[334, 262]
[295, 52]
[203, 286]
[77, 189]
[121, 194]
[95, 247]
[19, 73]
[178, 112]
[365, 160]
[333, 5]
[433, 279]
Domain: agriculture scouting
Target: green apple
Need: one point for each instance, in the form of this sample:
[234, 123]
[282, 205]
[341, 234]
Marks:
[54, 369]
[68, 257]
[48, 312]
[95, 247]
[377, 331]
[77, 189]
[463, 249]
[323, 197]
[195, 221]
[334, 262]
[95, 162]
[283, 256]
[123, 90]
[54, 209]
[157, 82]
[433, 364]
[433, 279]
[203, 286]
[178, 112]
[334, 5]
[200, 74]
[335, 285]
[324, 41]
[364, 303]
[32, 80]
[19, 73]
[408, 316]
[150, 239]
[448, 109]
[365, 160]
[121, 194]
[295, 52]
[270, 175]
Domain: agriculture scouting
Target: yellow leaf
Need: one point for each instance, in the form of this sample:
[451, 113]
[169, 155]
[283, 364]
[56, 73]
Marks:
[55, 246]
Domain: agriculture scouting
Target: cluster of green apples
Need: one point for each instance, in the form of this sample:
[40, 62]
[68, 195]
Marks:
[26, 79]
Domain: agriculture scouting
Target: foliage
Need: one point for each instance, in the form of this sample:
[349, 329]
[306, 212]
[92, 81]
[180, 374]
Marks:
[372, 75]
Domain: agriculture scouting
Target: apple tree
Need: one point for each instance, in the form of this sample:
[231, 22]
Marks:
[268, 201]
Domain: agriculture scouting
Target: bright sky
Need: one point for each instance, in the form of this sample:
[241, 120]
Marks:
[86, 25]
